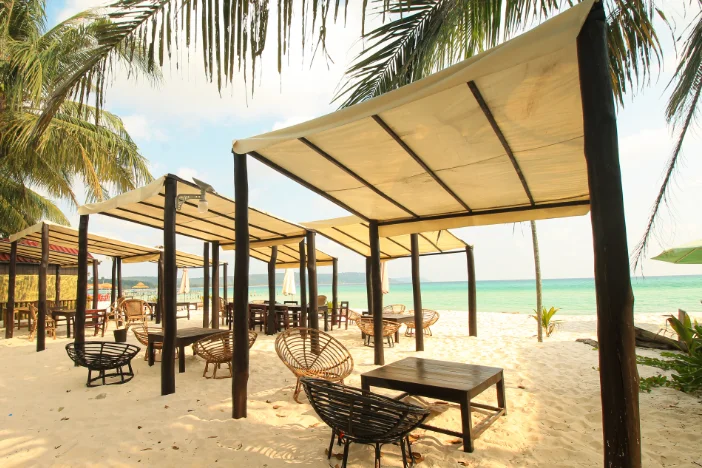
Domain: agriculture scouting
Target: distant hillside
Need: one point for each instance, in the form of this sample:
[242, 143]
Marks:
[129, 281]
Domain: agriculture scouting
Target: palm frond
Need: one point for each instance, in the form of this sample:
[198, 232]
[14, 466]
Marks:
[20, 207]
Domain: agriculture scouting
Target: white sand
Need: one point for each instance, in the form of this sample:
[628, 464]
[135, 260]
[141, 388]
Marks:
[49, 417]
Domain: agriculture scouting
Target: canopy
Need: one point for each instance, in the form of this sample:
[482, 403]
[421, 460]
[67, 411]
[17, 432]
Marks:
[686, 254]
[145, 206]
[288, 256]
[183, 259]
[29, 251]
[67, 237]
[495, 139]
[353, 233]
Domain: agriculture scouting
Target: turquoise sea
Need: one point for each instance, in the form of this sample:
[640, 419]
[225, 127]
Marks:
[653, 294]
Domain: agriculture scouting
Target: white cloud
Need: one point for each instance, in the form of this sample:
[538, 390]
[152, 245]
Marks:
[142, 128]
[73, 7]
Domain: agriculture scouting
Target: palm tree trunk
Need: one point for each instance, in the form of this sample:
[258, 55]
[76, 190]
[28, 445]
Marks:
[537, 267]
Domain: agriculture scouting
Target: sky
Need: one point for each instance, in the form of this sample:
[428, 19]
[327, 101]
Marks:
[185, 127]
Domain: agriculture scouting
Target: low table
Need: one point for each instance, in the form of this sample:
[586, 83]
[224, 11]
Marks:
[69, 315]
[450, 381]
[184, 337]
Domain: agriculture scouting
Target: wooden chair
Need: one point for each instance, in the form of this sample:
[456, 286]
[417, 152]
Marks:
[217, 350]
[134, 311]
[50, 326]
[313, 353]
[114, 313]
[394, 309]
[96, 319]
[343, 316]
[389, 330]
[282, 318]
[429, 318]
[257, 316]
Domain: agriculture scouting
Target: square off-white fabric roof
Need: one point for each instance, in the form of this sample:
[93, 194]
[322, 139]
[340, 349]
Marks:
[288, 255]
[497, 138]
[64, 236]
[183, 259]
[145, 206]
[353, 233]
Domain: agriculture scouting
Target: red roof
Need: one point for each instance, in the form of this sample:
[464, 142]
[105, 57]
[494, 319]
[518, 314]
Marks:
[31, 243]
[5, 257]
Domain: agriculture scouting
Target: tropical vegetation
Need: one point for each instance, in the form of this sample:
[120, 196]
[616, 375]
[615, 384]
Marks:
[79, 143]
[548, 324]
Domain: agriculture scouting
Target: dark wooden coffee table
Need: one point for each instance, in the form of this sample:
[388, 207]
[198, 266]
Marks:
[184, 337]
[68, 315]
[450, 381]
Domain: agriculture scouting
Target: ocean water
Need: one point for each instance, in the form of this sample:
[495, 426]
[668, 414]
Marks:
[655, 294]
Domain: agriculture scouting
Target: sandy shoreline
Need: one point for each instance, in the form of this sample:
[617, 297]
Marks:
[51, 419]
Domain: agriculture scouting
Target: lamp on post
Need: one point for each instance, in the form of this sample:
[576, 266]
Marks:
[202, 206]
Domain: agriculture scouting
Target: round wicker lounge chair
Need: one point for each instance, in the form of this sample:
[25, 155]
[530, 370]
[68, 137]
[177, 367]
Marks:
[394, 309]
[430, 317]
[363, 417]
[217, 350]
[389, 329]
[104, 356]
[313, 353]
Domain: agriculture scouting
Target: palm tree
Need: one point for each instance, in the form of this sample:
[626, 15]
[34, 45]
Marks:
[537, 268]
[80, 142]
[423, 36]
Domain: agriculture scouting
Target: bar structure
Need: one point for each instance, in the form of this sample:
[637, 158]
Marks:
[536, 151]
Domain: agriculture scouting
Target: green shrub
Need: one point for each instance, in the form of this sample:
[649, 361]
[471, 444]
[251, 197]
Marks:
[547, 323]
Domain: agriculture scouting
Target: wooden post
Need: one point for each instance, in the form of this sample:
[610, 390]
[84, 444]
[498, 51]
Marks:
[120, 291]
[206, 286]
[57, 286]
[43, 266]
[619, 380]
[303, 285]
[159, 290]
[226, 294]
[240, 356]
[312, 276]
[170, 288]
[12, 280]
[96, 284]
[377, 293]
[472, 306]
[335, 291]
[113, 291]
[270, 323]
[369, 286]
[82, 296]
[417, 295]
[215, 285]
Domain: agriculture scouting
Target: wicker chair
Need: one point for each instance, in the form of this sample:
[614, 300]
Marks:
[394, 309]
[217, 350]
[313, 353]
[429, 318]
[114, 313]
[142, 336]
[134, 311]
[389, 330]
[363, 417]
[353, 317]
[102, 356]
[50, 326]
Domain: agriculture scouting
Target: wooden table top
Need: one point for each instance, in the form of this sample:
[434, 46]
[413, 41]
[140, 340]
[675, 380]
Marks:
[398, 317]
[63, 312]
[193, 332]
[439, 374]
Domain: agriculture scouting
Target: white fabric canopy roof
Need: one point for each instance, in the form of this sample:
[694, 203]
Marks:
[353, 233]
[497, 138]
[289, 256]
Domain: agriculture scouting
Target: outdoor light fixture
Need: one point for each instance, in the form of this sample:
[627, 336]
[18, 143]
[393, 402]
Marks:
[202, 205]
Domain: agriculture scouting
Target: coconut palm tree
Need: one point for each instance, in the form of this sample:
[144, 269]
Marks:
[423, 36]
[537, 268]
[80, 142]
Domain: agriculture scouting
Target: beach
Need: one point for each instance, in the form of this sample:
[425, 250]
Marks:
[554, 419]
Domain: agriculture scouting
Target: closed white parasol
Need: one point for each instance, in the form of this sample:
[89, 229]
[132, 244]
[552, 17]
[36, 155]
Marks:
[184, 283]
[289, 283]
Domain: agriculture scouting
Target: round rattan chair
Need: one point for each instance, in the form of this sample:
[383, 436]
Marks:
[394, 309]
[142, 336]
[313, 353]
[217, 350]
[363, 417]
[365, 323]
[103, 356]
[429, 318]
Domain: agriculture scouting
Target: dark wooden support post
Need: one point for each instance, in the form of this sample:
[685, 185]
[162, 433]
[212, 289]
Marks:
[369, 286]
[206, 286]
[96, 284]
[270, 323]
[170, 289]
[226, 295]
[43, 266]
[215, 285]
[303, 285]
[312, 277]
[113, 291]
[57, 286]
[619, 380]
[82, 296]
[377, 292]
[417, 295]
[335, 291]
[240, 357]
[472, 305]
[12, 280]
[120, 290]
[159, 290]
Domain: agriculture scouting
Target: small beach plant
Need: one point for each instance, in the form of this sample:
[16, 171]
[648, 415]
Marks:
[549, 325]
